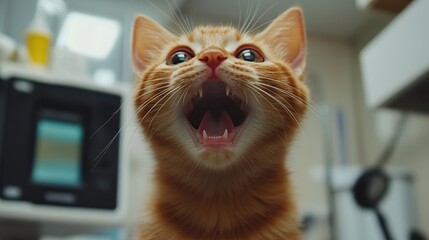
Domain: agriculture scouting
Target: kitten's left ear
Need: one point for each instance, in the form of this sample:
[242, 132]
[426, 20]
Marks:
[288, 32]
[149, 39]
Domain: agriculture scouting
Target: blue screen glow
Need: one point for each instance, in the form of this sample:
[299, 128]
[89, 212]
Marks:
[58, 151]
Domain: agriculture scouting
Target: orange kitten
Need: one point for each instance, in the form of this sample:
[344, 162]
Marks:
[220, 108]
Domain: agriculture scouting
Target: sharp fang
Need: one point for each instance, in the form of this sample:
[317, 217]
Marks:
[205, 136]
[228, 91]
[225, 135]
[200, 92]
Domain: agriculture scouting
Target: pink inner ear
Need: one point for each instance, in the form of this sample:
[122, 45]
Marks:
[149, 38]
[138, 63]
[299, 59]
[288, 30]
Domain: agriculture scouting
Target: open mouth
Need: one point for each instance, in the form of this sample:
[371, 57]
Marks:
[216, 114]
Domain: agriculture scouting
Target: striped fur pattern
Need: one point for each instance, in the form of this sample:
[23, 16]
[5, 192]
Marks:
[242, 191]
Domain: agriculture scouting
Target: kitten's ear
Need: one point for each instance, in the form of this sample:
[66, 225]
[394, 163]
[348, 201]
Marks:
[288, 32]
[149, 39]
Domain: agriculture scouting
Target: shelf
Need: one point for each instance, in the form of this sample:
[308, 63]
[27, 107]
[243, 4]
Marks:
[395, 65]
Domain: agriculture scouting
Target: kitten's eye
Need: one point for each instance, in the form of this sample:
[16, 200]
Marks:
[179, 57]
[250, 55]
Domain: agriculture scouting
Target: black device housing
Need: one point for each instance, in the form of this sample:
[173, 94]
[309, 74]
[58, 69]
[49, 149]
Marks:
[23, 103]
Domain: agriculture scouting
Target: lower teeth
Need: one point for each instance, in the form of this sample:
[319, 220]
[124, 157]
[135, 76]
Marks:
[224, 136]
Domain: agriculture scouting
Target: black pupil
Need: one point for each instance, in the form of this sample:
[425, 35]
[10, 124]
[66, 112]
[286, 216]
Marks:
[248, 55]
[179, 58]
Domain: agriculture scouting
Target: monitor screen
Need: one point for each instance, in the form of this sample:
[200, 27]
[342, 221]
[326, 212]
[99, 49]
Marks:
[58, 149]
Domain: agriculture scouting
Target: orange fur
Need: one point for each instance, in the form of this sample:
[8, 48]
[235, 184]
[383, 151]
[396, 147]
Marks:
[237, 192]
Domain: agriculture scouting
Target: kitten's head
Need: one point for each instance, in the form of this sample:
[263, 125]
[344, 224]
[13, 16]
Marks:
[216, 94]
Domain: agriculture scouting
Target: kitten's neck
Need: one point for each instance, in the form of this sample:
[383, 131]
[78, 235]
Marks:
[226, 204]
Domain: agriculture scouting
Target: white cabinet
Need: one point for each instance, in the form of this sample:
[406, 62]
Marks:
[395, 64]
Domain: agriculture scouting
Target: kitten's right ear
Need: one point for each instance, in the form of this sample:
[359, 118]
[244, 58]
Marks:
[149, 39]
[286, 35]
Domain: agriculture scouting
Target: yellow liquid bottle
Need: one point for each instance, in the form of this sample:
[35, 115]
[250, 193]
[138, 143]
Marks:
[38, 45]
[38, 41]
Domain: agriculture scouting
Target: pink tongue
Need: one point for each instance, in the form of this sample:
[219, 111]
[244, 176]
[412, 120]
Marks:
[216, 127]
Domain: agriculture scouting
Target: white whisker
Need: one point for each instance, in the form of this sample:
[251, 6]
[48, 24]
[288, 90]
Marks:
[311, 104]
[172, 93]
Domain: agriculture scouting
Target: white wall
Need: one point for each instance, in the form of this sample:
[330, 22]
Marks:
[17, 18]
[330, 76]
[3, 9]
[376, 126]
[412, 152]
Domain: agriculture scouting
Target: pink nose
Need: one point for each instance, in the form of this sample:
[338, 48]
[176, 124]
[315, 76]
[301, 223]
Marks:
[212, 58]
